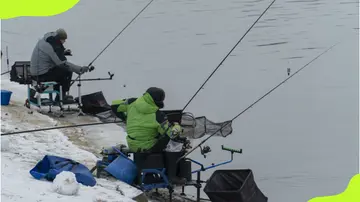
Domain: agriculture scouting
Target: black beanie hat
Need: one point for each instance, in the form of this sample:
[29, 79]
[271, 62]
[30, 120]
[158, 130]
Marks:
[158, 96]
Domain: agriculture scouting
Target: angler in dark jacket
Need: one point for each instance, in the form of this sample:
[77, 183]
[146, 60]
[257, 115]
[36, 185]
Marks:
[48, 61]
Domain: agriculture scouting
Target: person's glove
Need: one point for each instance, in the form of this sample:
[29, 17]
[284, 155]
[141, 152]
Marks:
[83, 69]
[176, 130]
[67, 52]
[187, 144]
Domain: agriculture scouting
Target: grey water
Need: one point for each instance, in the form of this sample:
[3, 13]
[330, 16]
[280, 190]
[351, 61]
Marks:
[301, 141]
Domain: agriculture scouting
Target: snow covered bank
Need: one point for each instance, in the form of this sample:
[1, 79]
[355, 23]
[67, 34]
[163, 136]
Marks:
[92, 138]
[21, 152]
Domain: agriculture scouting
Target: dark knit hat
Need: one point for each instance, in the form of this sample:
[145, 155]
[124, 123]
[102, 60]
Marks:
[158, 96]
[61, 33]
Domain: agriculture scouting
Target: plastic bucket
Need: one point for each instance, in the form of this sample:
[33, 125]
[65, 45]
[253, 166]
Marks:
[123, 168]
[5, 97]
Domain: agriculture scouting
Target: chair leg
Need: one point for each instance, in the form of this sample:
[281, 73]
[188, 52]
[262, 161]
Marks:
[61, 97]
[170, 194]
[38, 98]
[81, 113]
[61, 113]
[183, 191]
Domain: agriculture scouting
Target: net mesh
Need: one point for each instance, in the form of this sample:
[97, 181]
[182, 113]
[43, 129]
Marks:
[198, 127]
[194, 127]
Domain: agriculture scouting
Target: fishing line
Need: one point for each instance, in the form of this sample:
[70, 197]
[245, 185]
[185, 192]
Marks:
[202, 142]
[59, 127]
[228, 55]
[115, 37]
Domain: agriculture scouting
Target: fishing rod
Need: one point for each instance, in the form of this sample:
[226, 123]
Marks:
[115, 38]
[59, 127]
[228, 55]
[7, 58]
[97, 79]
[202, 142]
[5, 73]
[7, 61]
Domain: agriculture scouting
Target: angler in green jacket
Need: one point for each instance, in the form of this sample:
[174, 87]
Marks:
[147, 127]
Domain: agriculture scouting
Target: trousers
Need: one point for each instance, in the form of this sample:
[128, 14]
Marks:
[57, 74]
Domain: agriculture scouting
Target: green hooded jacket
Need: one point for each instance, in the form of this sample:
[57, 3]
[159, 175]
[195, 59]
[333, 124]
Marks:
[144, 122]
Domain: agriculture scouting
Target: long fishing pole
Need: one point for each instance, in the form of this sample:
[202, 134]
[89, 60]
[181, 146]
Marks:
[228, 55]
[59, 127]
[7, 61]
[120, 32]
[115, 38]
[5, 73]
[202, 142]
[7, 58]
[95, 79]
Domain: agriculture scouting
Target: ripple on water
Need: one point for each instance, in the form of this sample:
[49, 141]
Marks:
[253, 15]
[10, 32]
[250, 10]
[294, 57]
[316, 3]
[310, 48]
[209, 44]
[264, 26]
[350, 2]
[255, 1]
[273, 44]
[303, 1]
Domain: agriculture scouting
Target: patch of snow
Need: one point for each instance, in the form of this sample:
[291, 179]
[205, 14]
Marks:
[107, 136]
[5, 144]
[21, 152]
[100, 198]
[99, 136]
[65, 183]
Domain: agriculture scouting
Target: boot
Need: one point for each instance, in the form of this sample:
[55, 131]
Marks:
[32, 95]
[171, 167]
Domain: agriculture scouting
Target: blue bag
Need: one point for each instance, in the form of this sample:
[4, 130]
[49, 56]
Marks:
[50, 166]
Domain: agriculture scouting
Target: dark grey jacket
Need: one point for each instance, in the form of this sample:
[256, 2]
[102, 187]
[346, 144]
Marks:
[44, 58]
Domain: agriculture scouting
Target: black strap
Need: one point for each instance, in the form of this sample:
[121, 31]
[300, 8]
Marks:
[131, 137]
[157, 137]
